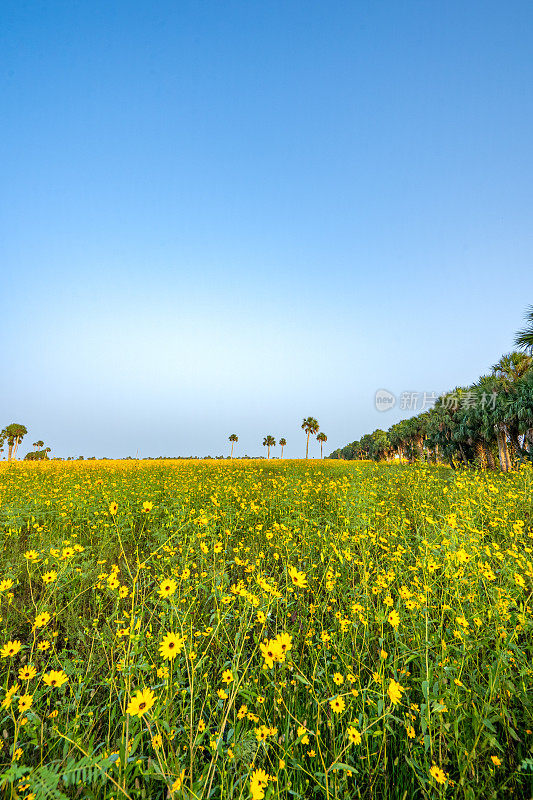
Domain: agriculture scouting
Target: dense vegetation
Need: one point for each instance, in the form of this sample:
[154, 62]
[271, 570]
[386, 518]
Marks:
[488, 424]
[242, 629]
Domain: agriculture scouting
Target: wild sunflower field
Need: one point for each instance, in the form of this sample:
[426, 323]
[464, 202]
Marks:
[265, 629]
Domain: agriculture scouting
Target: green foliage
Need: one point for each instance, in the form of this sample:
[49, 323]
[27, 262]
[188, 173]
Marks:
[36, 455]
[481, 425]
[310, 426]
[50, 781]
[13, 433]
[524, 338]
[268, 442]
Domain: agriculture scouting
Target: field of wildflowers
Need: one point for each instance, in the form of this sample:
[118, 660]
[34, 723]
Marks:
[263, 629]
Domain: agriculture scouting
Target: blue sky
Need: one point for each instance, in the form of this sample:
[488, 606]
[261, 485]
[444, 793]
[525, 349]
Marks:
[222, 217]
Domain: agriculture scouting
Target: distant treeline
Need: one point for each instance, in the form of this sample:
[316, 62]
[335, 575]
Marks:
[149, 458]
[485, 424]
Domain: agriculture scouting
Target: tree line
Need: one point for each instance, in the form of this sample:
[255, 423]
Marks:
[15, 432]
[310, 426]
[13, 435]
[487, 424]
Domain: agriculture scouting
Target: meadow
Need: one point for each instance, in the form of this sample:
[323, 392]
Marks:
[250, 629]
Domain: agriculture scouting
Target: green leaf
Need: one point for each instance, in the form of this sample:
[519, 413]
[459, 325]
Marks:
[341, 766]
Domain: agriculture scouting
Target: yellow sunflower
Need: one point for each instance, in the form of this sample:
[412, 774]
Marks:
[171, 645]
[141, 703]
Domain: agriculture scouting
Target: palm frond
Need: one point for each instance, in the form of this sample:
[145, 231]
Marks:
[524, 338]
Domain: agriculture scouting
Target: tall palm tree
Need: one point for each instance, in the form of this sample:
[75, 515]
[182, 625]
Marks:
[524, 338]
[282, 442]
[492, 414]
[269, 442]
[321, 438]
[520, 410]
[440, 429]
[310, 426]
[14, 434]
[508, 372]
[233, 438]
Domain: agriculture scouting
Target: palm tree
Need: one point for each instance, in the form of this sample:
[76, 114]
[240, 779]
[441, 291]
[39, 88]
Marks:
[14, 434]
[380, 445]
[310, 426]
[399, 436]
[508, 372]
[520, 410]
[524, 338]
[282, 442]
[511, 367]
[233, 438]
[269, 442]
[321, 438]
[440, 429]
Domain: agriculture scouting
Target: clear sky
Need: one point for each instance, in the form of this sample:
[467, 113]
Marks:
[221, 217]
